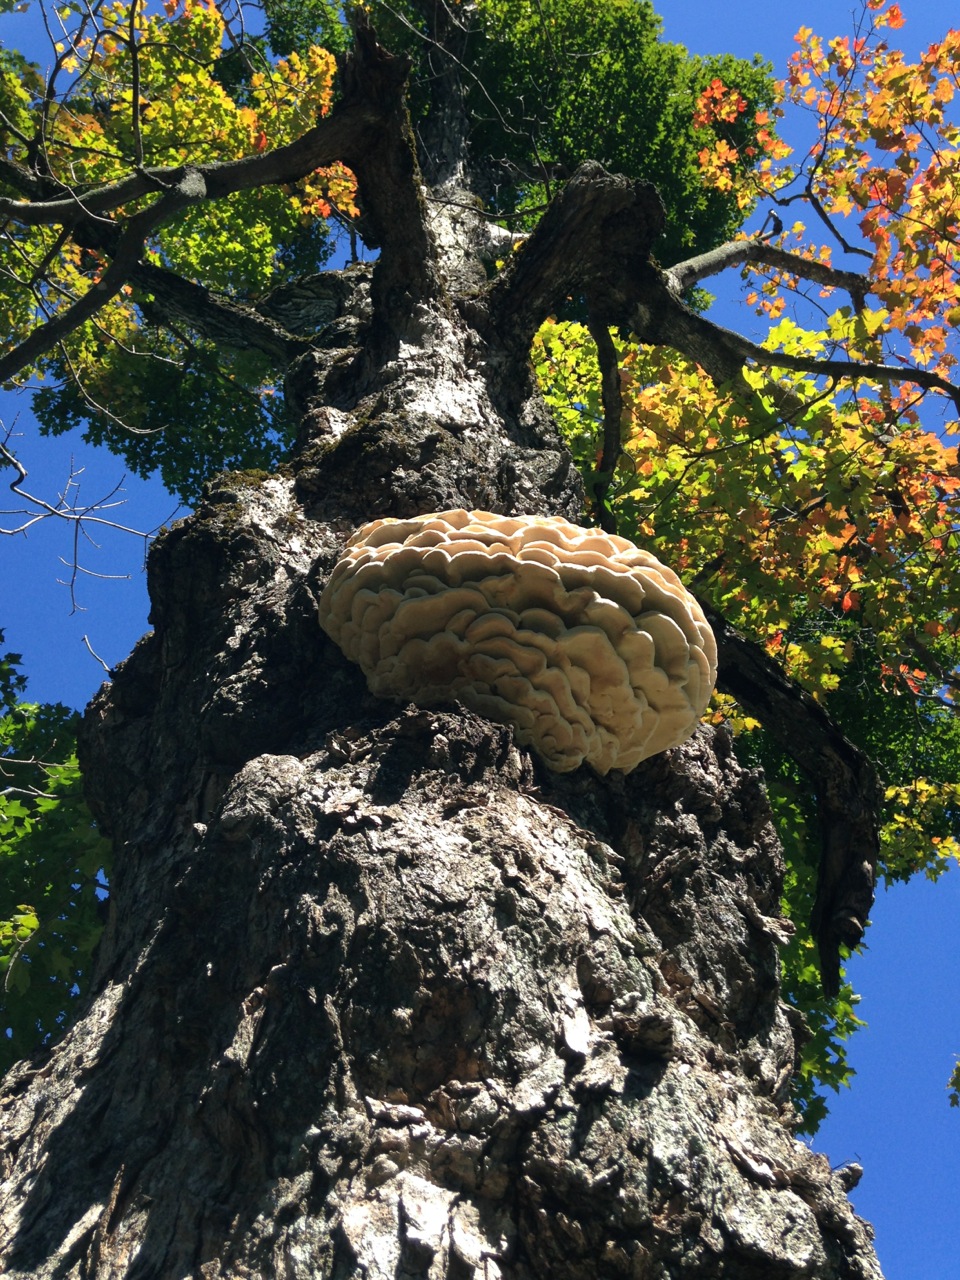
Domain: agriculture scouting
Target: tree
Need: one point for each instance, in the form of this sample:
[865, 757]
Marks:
[379, 991]
[263, 244]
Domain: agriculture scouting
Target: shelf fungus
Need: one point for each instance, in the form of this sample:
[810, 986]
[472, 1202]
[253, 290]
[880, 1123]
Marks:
[587, 645]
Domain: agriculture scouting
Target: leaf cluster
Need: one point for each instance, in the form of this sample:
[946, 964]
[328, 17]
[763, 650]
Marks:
[558, 82]
[883, 173]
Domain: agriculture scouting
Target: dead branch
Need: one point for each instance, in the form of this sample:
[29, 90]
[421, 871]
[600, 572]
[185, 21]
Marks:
[80, 517]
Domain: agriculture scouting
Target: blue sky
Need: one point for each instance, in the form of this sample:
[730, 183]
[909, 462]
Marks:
[895, 1120]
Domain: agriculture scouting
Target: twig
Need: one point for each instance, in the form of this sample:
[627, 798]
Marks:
[93, 654]
[67, 508]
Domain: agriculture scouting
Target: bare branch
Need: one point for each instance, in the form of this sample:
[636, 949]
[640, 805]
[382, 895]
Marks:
[95, 405]
[684, 275]
[80, 517]
[62, 509]
[93, 654]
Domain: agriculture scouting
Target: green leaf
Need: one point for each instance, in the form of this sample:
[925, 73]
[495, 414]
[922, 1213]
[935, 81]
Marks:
[53, 863]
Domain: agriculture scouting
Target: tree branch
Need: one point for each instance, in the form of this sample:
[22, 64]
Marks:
[809, 196]
[612, 401]
[661, 319]
[844, 780]
[854, 370]
[684, 275]
[129, 248]
[79, 518]
[595, 238]
[368, 127]
[17, 176]
[218, 318]
[385, 165]
[351, 126]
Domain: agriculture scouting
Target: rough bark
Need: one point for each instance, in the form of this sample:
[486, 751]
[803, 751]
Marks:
[380, 996]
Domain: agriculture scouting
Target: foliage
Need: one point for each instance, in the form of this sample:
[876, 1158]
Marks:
[553, 83]
[833, 548]
[199, 97]
[198, 408]
[559, 82]
[831, 533]
[133, 88]
[295, 25]
[52, 868]
[885, 164]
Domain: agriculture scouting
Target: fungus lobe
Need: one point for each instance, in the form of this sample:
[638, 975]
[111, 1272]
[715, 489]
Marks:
[590, 647]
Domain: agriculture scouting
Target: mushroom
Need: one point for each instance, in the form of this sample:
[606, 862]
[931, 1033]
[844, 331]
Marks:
[590, 647]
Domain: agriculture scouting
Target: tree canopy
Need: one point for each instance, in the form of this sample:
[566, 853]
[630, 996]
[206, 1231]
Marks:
[173, 189]
[138, 373]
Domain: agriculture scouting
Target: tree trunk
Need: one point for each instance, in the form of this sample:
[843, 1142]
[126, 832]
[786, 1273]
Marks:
[381, 996]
